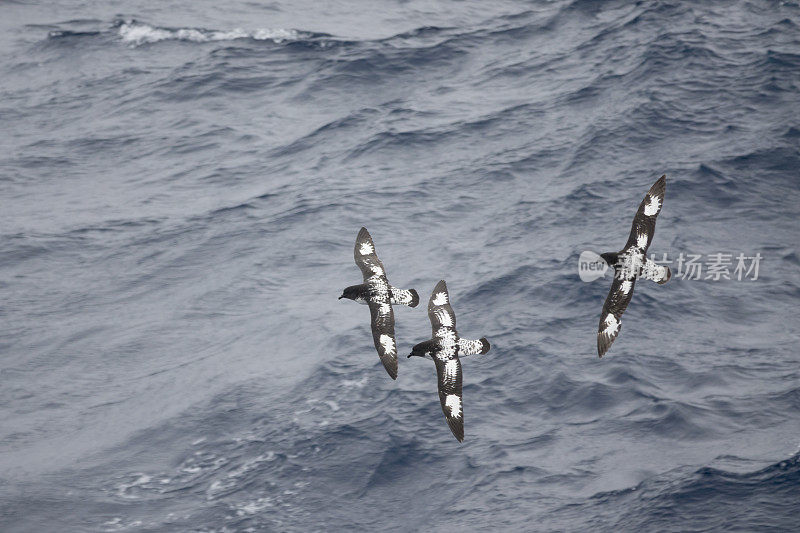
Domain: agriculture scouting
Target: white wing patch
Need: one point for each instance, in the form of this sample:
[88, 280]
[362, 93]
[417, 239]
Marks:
[450, 371]
[625, 288]
[440, 298]
[612, 325]
[641, 240]
[453, 403]
[388, 344]
[653, 207]
[366, 248]
[444, 317]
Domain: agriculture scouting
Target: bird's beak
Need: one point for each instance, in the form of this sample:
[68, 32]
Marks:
[342, 296]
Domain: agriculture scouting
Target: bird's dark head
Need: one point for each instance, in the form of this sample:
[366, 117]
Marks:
[417, 352]
[611, 258]
[423, 349]
[351, 293]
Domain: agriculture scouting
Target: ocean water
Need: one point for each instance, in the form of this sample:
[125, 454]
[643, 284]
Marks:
[181, 185]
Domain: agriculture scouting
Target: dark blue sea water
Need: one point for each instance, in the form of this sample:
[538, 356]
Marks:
[181, 185]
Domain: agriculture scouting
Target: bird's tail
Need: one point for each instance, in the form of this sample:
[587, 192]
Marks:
[407, 297]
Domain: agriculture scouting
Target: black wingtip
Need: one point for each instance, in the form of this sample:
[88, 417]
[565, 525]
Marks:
[414, 298]
[485, 346]
[440, 287]
[457, 429]
[390, 364]
[602, 347]
[659, 187]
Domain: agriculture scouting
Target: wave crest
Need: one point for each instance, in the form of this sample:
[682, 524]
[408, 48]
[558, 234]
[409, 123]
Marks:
[137, 33]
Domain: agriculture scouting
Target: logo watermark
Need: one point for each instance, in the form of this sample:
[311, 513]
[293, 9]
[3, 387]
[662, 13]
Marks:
[713, 267]
[591, 266]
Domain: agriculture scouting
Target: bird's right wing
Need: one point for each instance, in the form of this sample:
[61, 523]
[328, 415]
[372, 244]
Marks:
[448, 371]
[383, 335]
[366, 257]
[611, 318]
[644, 223]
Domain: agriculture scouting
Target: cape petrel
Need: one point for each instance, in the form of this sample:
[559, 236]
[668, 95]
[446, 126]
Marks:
[631, 263]
[444, 348]
[379, 296]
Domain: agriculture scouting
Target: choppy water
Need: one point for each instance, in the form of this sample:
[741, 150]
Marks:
[180, 189]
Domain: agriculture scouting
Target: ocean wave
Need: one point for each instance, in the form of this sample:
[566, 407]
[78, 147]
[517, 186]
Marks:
[138, 33]
[709, 499]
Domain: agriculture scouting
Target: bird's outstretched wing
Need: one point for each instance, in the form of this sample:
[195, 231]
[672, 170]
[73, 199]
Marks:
[448, 371]
[644, 223]
[443, 319]
[366, 257]
[383, 335]
[611, 318]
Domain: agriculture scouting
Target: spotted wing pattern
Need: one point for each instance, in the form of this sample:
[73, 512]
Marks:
[644, 223]
[366, 257]
[611, 318]
[383, 335]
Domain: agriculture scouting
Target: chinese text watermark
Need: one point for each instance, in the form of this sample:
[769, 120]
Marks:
[713, 267]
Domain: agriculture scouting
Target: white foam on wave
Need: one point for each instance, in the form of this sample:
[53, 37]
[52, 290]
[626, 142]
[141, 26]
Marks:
[136, 33]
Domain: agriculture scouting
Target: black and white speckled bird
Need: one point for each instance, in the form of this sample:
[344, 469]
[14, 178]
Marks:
[631, 263]
[379, 296]
[444, 348]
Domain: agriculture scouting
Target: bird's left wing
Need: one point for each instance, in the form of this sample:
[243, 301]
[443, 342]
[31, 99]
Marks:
[443, 319]
[611, 318]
